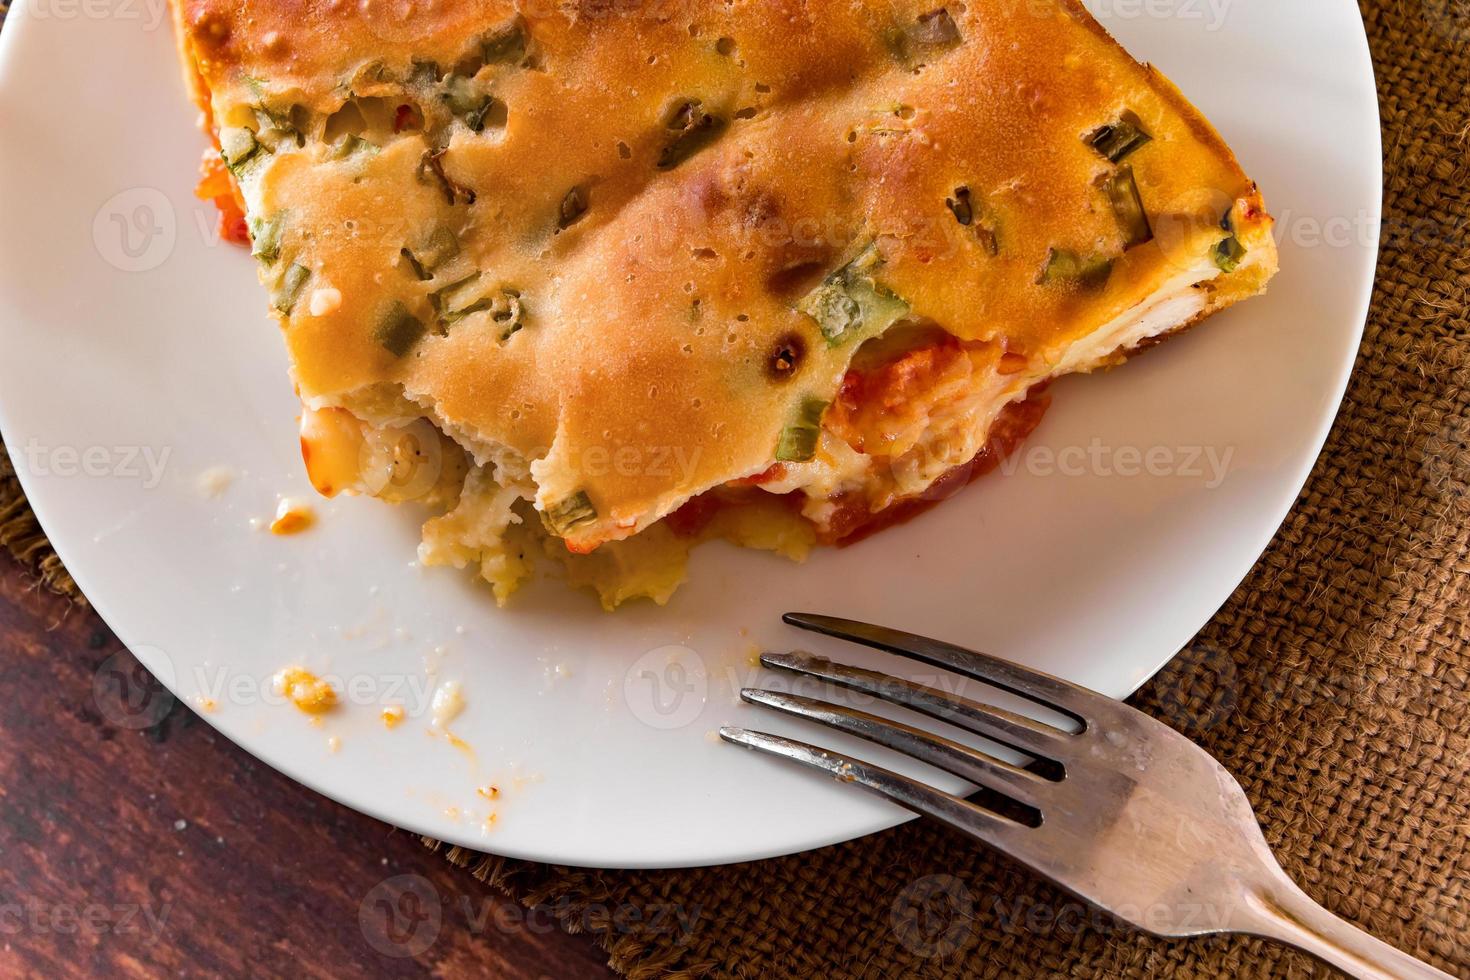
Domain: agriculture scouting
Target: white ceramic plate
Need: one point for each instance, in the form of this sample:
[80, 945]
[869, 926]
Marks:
[131, 337]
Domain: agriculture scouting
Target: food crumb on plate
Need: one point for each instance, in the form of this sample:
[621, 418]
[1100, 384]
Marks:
[448, 703]
[215, 481]
[293, 515]
[307, 691]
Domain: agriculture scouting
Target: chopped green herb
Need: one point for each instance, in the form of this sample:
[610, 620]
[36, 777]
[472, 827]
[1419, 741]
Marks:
[431, 167]
[441, 246]
[465, 101]
[276, 125]
[693, 129]
[570, 513]
[930, 33]
[1127, 204]
[424, 72]
[289, 290]
[798, 441]
[457, 300]
[265, 237]
[506, 45]
[351, 145]
[398, 330]
[1119, 139]
[419, 272]
[237, 147]
[573, 206]
[935, 29]
[1064, 266]
[850, 301]
[1229, 252]
[960, 206]
[508, 312]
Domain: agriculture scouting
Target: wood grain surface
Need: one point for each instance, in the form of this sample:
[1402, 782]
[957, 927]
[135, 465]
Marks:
[137, 842]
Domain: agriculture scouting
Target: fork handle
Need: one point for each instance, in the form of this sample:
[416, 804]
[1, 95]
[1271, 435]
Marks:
[1286, 914]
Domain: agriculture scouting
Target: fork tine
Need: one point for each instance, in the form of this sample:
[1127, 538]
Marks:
[991, 828]
[1003, 726]
[1034, 685]
[965, 762]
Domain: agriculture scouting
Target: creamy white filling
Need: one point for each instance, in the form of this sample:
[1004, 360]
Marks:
[960, 432]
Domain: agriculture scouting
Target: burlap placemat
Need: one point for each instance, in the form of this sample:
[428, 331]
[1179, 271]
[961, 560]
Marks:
[1333, 683]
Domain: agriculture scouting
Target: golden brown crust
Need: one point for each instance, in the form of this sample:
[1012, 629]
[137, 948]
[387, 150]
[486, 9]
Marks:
[641, 373]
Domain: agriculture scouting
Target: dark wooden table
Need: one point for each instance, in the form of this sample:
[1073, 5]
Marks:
[165, 850]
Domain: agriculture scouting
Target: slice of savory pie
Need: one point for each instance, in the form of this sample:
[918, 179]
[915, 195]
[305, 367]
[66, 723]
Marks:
[600, 278]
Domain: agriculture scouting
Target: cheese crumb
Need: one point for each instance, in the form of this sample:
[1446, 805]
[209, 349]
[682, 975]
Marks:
[324, 301]
[392, 715]
[307, 691]
[448, 703]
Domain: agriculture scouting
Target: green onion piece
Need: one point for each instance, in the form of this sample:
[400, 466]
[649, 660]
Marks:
[798, 441]
[850, 301]
[398, 330]
[265, 237]
[693, 130]
[1119, 139]
[935, 29]
[455, 298]
[464, 101]
[508, 313]
[237, 146]
[573, 206]
[431, 166]
[989, 240]
[1063, 265]
[290, 287]
[930, 33]
[960, 206]
[506, 45]
[441, 246]
[420, 273]
[278, 124]
[424, 72]
[1128, 207]
[1229, 252]
[571, 512]
[351, 145]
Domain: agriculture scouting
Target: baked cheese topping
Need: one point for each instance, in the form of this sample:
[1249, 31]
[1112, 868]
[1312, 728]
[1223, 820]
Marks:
[622, 255]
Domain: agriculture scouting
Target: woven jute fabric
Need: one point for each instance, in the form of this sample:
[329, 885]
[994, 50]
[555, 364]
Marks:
[1333, 682]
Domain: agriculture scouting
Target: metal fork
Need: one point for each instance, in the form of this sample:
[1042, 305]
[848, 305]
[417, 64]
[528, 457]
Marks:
[1125, 813]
